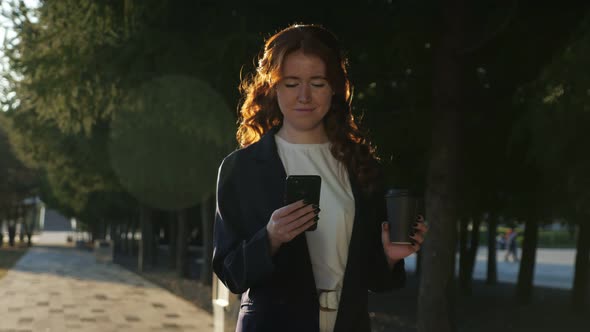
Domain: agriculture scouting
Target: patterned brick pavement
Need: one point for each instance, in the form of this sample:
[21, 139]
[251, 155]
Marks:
[53, 289]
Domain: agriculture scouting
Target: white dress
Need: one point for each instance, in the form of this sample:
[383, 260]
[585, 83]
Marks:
[328, 245]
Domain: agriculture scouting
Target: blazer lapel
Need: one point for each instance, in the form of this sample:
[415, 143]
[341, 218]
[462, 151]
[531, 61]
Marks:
[272, 172]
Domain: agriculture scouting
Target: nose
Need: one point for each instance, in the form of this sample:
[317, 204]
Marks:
[304, 95]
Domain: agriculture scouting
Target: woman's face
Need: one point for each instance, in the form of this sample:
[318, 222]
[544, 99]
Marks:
[303, 93]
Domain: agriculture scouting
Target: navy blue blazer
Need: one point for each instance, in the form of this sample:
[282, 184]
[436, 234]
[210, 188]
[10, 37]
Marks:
[279, 292]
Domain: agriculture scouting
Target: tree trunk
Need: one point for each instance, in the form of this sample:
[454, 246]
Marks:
[155, 243]
[94, 230]
[492, 275]
[524, 286]
[472, 256]
[134, 241]
[21, 234]
[463, 252]
[114, 230]
[11, 233]
[580, 289]
[172, 236]
[468, 256]
[207, 228]
[181, 244]
[1, 231]
[104, 227]
[126, 240]
[33, 224]
[437, 289]
[144, 257]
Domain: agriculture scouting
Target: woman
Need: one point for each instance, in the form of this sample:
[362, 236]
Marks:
[296, 120]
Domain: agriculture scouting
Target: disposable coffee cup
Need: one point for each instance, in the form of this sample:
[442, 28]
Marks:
[401, 214]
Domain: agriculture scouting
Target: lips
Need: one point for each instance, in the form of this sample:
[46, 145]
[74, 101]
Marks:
[304, 109]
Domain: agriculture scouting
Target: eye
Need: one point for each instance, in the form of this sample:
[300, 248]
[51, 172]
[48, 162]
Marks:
[318, 84]
[289, 83]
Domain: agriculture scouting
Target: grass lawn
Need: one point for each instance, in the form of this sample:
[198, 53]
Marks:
[8, 257]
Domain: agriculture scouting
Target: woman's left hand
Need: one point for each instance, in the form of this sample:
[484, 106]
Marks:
[397, 251]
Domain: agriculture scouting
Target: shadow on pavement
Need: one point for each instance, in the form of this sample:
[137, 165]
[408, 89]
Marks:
[74, 263]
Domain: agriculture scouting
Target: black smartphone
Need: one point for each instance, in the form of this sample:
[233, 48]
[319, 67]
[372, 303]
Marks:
[305, 187]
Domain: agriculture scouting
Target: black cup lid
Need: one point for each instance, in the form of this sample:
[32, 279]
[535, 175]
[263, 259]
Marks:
[397, 192]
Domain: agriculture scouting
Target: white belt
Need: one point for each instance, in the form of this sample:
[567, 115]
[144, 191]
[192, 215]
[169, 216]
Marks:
[329, 299]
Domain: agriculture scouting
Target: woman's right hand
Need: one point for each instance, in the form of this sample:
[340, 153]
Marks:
[289, 221]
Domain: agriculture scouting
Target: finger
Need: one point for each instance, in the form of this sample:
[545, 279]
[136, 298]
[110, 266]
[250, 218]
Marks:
[423, 221]
[302, 212]
[418, 237]
[305, 212]
[312, 216]
[304, 227]
[288, 209]
[385, 239]
[420, 226]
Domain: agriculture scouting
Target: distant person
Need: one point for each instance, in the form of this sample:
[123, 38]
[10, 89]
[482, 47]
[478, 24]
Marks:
[511, 245]
[501, 241]
[296, 119]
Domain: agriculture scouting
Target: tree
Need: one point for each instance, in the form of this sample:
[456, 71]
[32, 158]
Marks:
[17, 182]
[557, 118]
[63, 97]
[167, 141]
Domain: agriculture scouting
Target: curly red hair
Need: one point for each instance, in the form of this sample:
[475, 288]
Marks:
[260, 111]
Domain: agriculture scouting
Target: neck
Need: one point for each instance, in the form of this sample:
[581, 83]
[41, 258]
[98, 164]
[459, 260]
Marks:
[296, 136]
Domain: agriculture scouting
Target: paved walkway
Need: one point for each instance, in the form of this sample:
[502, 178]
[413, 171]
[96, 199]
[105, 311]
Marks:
[54, 289]
[64, 289]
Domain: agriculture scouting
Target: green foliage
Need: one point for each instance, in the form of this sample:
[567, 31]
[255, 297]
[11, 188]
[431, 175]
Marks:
[168, 140]
[109, 98]
[79, 65]
[62, 60]
[73, 165]
[16, 180]
[507, 49]
[393, 78]
[64, 97]
[556, 239]
[557, 121]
